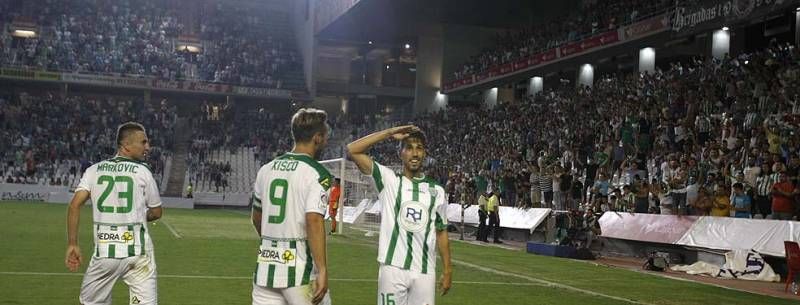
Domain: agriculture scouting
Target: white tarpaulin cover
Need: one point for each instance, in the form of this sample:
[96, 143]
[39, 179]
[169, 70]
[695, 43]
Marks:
[763, 236]
[510, 217]
[470, 214]
[739, 264]
[374, 208]
[350, 214]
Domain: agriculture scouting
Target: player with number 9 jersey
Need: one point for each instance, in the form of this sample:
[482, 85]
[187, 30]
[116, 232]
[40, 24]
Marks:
[285, 190]
[290, 197]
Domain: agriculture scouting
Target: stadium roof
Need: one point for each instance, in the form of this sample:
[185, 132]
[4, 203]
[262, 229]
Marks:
[391, 21]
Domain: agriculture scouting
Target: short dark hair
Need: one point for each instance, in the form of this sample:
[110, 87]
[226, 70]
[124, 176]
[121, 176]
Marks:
[738, 185]
[418, 135]
[307, 122]
[126, 130]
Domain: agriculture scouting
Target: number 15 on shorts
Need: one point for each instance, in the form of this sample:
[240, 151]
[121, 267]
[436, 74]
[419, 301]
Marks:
[387, 298]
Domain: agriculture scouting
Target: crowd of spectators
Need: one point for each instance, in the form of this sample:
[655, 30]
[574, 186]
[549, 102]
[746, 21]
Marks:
[593, 17]
[49, 139]
[696, 138]
[140, 38]
[224, 130]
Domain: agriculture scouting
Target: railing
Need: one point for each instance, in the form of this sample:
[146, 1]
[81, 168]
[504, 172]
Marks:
[547, 48]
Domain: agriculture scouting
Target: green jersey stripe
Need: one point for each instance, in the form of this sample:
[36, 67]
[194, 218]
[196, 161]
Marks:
[270, 275]
[440, 226]
[112, 249]
[409, 253]
[309, 266]
[256, 203]
[409, 235]
[142, 233]
[431, 186]
[96, 246]
[376, 175]
[396, 230]
[131, 248]
[255, 275]
[292, 269]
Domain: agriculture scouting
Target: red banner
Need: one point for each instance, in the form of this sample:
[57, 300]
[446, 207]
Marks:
[600, 40]
[507, 68]
[645, 27]
[546, 56]
[537, 59]
[520, 64]
[666, 229]
[571, 48]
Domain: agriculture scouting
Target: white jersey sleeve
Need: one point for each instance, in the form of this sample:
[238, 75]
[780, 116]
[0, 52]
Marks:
[87, 176]
[258, 190]
[316, 200]
[441, 209]
[383, 177]
[152, 196]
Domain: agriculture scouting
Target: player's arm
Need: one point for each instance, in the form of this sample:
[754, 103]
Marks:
[73, 255]
[154, 214]
[255, 214]
[315, 206]
[315, 228]
[153, 200]
[443, 244]
[357, 150]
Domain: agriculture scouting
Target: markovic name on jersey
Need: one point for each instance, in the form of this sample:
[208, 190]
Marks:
[118, 168]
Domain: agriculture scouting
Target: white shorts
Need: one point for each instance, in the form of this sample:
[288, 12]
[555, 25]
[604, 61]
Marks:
[299, 295]
[138, 272]
[405, 287]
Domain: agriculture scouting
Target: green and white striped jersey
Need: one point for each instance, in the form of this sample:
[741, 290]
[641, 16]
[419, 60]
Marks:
[284, 191]
[413, 210]
[121, 191]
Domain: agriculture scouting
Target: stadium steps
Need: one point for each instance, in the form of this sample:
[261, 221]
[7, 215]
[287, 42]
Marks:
[183, 135]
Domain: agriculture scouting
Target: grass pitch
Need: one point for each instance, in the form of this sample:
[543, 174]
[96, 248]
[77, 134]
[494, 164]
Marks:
[208, 256]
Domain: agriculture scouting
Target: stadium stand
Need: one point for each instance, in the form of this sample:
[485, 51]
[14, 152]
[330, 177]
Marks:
[745, 116]
[239, 45]
[593, 17]
[49, 139]
[642, 130]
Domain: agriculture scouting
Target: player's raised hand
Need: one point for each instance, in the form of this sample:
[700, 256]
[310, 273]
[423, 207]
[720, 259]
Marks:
[320, 287]
[73, 258]
[401, 132]
[444, 282]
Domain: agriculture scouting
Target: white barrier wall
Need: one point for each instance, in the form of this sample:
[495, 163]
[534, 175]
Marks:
[510, 217]
[726, 233]
[62, 195]
[723, 233]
